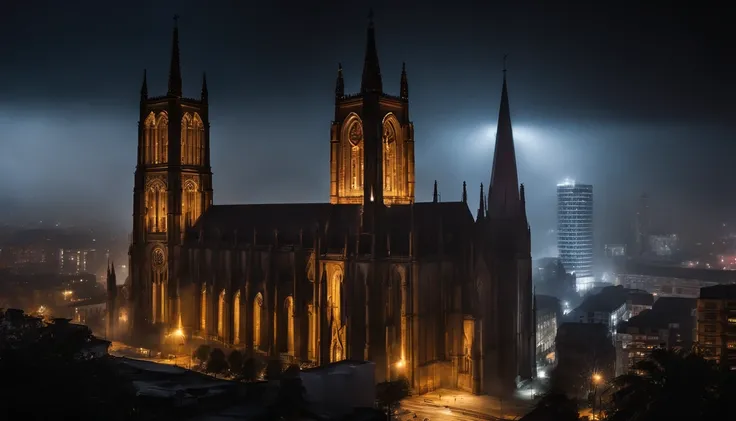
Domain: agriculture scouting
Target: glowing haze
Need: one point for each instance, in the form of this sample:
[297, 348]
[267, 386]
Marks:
[645, 110]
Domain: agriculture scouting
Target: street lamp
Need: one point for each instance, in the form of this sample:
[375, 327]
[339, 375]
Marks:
[597, 379]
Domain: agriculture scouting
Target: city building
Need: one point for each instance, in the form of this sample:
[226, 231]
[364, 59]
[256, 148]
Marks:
[639, 301]
[548, 314]
[669, 281]
[551, 278]
[663, 245]
[575, 231]
[716, 324]
[420, 289]
[615, 250]
[643, 222]
[606, 307]
[668, 323]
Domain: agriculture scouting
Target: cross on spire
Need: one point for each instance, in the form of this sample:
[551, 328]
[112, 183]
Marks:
[176, 20]
[505, 56]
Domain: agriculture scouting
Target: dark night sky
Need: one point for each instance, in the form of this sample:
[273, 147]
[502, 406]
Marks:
[628, 97]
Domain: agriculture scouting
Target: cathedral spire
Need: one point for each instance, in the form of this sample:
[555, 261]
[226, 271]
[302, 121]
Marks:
[205, 92]
[481, 205]
[465, 193]
[503, 192]
[144, 86]
[435, 194]
[404, 90]
[339, 83]
[175, 68]
[371, 81]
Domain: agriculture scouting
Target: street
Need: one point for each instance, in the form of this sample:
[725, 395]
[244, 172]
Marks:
[448, 405]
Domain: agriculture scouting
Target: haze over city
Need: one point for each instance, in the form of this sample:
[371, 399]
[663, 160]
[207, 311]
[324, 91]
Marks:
[642, 106]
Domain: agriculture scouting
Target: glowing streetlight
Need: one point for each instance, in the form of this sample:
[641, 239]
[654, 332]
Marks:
[179, 333]
[597, 378]
[400, 364]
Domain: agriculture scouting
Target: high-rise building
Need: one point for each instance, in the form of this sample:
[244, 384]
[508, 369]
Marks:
[716, 324]
[642, 225]
[575, 231]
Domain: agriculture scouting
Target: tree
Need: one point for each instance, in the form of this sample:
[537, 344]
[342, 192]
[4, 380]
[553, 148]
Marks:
[235, 361]
[273, 369]
[250, 370]
[217, 363]
[390, 393]
[202, 353]
[290, 401]
[554, 406]
[667, 385]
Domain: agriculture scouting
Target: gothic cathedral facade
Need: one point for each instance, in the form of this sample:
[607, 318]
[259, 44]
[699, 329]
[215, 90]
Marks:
[423, 290]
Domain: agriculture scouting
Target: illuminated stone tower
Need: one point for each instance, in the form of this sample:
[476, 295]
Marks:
[371, 139]
[173, 187]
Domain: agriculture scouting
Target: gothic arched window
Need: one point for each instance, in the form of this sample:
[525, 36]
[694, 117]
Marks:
[390, 170]
[191, 207]
[355, 137]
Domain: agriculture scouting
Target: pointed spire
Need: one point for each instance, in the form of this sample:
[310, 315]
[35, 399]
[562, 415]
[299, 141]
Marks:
[465, 193]
[112, 269]
[339, 83]
[144, 86]
[205, 91]
[481, 205]
[371, 81]
[175, 68]
[435, 195]
[404, 90]
[503, 192]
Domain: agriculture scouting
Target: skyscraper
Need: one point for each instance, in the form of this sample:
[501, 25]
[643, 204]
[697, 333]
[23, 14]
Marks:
[575, 231]
[642, 225]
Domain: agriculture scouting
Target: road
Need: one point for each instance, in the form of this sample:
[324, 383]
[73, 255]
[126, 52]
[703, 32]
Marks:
[455, 405]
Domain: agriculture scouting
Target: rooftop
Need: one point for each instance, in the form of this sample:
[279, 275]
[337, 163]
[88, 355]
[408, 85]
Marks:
[638, 267]
[719, 292]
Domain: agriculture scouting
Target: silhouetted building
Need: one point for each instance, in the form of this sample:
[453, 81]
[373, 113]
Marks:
[582, 350]
[575, 231]
[716, 324]
[420, 289]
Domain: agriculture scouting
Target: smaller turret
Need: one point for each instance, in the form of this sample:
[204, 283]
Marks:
[404, 89]
[339, 83]
[205, 92]
[435, 194]
[481, 205]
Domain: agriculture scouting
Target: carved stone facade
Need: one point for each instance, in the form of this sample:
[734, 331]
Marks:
[424, 290]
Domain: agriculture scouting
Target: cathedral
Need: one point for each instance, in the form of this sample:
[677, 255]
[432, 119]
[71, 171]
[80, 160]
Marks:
[423, 290]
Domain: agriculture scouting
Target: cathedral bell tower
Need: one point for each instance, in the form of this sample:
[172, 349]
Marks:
[371, 139]
[173, 187]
